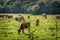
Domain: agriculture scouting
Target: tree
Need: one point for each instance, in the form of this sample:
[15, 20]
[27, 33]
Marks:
[56, 7]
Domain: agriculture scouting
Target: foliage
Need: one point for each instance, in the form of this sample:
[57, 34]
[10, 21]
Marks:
[30, 6]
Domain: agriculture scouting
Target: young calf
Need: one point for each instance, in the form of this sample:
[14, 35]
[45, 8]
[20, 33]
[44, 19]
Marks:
[44, 15]
[24, 26]
[20, 18]
[37, 22]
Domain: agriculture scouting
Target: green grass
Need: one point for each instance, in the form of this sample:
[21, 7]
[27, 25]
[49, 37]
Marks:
[9, 27]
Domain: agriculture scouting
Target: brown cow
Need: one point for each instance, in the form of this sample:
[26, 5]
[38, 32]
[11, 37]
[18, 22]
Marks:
[9, 16]
[58, 17]
[20, 17]
[2, 15]
[37, 22]
[6, 16]
[44, 15]
[23, 26]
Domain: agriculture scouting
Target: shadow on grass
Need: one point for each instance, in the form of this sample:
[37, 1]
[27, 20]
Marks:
[30, 35]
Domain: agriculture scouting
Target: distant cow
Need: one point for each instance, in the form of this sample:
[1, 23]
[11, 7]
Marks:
[58, 17]
[28, 16]
[2, 15]
[20, 17]
[37, 22]
[44, 15]
[23, 26]
[9, 16]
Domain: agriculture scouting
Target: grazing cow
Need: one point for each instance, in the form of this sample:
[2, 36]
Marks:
[23, 26]
[6, 16]
[9, 16]
[44, 15]
[2, 15]
[20, 18]
[28, 16]
[37, 22]
[58, 17]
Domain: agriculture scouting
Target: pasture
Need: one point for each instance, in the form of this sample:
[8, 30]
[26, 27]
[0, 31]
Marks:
[45, 31]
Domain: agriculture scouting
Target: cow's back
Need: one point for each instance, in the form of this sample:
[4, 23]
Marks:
[25, 25]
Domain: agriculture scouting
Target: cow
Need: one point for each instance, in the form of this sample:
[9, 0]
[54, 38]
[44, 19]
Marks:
[2, 15]
[44, 15]
[6, 16]
[20, 17]
[37, 22]
[58, 17]
[28, 16]
[24, 25]
[9, 16]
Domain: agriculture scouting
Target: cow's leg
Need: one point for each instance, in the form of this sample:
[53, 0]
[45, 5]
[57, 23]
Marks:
[19, 31]
[23, 30]
[29, 29]
[23, 19]
[45, 17]
[37, 24]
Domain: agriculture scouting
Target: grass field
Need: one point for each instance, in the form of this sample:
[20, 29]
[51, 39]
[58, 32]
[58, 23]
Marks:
[45, 31]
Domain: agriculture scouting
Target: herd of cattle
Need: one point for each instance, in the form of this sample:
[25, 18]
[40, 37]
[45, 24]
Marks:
[25, 24]
[6, 16]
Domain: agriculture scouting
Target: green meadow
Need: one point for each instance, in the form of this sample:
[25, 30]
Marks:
[45, 31]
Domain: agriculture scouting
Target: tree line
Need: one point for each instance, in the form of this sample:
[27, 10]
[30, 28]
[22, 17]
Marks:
[29, 6]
